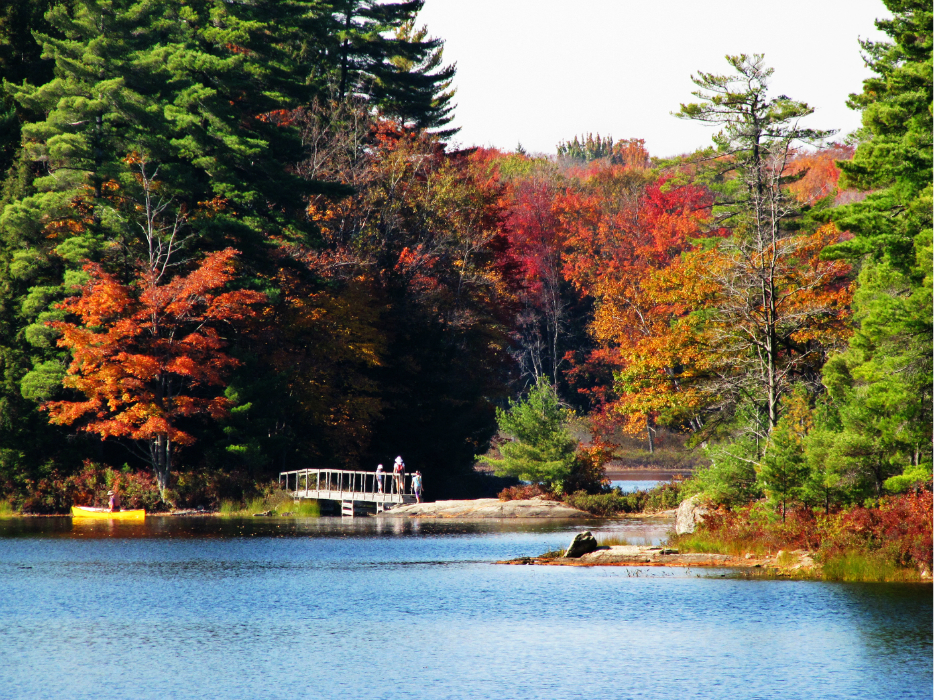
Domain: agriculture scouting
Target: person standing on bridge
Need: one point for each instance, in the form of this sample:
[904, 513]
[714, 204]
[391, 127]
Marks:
[417, 486]
[379, 477]
[398, 475]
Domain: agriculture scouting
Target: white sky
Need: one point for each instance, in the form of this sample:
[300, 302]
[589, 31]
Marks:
[541, 71]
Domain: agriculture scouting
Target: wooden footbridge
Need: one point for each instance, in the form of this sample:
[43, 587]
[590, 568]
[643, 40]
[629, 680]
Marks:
[349, 487]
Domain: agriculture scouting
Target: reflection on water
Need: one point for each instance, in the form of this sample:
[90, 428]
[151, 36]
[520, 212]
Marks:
[649, 530]
[318, 608]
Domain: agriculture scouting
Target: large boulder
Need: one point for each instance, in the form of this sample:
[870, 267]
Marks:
[690, 513]
[583, 543]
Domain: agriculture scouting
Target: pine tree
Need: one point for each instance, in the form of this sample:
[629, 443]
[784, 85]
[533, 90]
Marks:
[372, 50]
[20, 60]
[882, 385]
[418, 92]
[541, 449]
[166, 133]
[784, 468]
[769, 293]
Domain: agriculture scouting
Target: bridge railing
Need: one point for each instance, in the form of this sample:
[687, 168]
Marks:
[348, 483]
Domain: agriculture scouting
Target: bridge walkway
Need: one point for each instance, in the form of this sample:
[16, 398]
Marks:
[349, 487]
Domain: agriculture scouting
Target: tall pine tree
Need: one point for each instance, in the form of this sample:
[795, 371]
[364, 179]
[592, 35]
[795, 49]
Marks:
[882, 385]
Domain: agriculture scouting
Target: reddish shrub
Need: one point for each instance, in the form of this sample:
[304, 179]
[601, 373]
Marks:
[524, 492]
[899, 528]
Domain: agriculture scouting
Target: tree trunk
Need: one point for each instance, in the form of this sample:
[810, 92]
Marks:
[648, 431]
[342, 89]
[160, 450]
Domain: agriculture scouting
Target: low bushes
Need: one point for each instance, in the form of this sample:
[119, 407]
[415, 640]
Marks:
[271, 499]
[138, 489]
[524, 492]
[88, 487]
[663, 497]
[606, 504]
[880, 541]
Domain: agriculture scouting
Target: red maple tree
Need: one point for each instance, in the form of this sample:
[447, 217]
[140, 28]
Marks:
[148, 355]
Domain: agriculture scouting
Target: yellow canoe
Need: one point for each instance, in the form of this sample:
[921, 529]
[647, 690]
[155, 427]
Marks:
[104, 513]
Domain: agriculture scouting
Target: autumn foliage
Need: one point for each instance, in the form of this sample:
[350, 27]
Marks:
[148, 356]
[897, 530]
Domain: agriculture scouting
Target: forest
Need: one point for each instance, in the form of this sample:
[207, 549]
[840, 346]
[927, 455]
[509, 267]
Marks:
[239, 238]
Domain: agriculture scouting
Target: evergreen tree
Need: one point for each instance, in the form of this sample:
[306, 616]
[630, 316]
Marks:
[373, 50]
[166, 134]
[784, 467]
[541, 449]
[824, 485]
[893, 159]
[882, 384]
[767, 295]
[418, 92]
[20, 60]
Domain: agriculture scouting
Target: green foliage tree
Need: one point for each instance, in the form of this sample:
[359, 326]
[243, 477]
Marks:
[372, 50]
[784, 468]
[881, 385]
[824, 484]
[164, 133]
[893, 159]
[20, 60]
[541, 449]
[730, 478]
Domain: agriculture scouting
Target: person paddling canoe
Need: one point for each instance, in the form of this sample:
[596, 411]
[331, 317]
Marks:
[114, 502]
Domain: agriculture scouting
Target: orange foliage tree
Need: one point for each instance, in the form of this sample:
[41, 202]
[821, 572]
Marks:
[627, 227]
[713, 344]
[149, 355]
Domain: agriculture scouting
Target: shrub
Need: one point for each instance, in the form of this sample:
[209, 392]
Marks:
[542, 449]
[665, 496]
[523, 492]
[606, 504]
[859, 543]
[589, 473]
[137, 489]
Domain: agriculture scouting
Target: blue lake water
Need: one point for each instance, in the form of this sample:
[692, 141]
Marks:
[632, 485]
[210, 608]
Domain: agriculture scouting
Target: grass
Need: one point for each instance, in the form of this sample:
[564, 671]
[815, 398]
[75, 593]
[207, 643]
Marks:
[862, 567]
[700, 543]
[553, 554]
[229, 509]
[849, 566]
[306, 508]
[611, 541]
[278, 503]
[671, 452]
[616, 541]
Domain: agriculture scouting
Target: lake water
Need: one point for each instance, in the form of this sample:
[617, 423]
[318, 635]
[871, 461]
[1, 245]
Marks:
[633, 485]
[211, 608]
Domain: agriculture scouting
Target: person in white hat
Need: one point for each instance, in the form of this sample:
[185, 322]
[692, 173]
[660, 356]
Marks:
[398, 474]
[379, 477]
[114, 501]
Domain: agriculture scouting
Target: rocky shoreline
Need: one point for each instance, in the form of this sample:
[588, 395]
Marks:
[798, 561]
[488, 508]
[584, 551]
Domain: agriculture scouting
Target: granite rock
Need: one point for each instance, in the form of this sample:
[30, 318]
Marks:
[689, 514]
[583, 543]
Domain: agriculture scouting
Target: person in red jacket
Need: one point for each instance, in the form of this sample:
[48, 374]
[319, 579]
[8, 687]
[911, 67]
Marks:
[398, 475]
